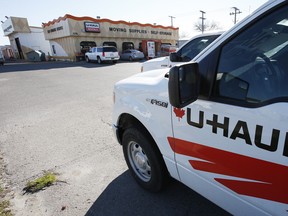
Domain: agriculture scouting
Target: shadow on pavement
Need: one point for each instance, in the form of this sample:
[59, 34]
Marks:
[22, 66]
[30, 66]
[124, 197]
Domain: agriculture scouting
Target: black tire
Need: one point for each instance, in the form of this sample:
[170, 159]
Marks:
[130, 59]
[87, 59]
[114, 62]
[144, 160]
[99, 60]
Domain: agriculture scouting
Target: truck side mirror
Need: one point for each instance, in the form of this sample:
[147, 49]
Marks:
[183, 85]
[174, 57]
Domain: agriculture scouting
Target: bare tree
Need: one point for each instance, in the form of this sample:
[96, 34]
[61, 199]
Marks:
[183, 34]
[207, 26]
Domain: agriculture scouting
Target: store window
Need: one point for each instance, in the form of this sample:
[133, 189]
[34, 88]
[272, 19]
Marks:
[127, 45]
[86, 45]
[140, 47]
[109, 43]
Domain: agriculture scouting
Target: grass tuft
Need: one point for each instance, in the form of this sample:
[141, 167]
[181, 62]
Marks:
[40, 183]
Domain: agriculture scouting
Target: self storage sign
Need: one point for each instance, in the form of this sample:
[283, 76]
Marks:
[92, 27]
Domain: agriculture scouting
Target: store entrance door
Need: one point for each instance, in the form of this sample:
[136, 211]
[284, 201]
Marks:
[18, 44]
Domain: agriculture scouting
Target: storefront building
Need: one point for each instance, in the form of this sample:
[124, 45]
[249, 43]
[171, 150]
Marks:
[23, 38]
[7, 52]
[70, 37]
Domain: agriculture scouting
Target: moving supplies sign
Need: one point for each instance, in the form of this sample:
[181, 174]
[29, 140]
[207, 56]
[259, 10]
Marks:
[92, 27]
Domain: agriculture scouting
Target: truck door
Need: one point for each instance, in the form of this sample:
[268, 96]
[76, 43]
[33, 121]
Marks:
[233, 146]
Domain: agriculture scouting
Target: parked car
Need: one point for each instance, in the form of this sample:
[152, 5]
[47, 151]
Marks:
[101, 54]
[186, 53]
[131, 55]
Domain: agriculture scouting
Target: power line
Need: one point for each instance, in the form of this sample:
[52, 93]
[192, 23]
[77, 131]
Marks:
[202, 18]
[236, 11]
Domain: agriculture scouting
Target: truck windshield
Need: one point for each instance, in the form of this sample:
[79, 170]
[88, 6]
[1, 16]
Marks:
[190, 50]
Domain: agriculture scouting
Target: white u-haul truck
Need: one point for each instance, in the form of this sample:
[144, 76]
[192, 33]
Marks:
[218, 124]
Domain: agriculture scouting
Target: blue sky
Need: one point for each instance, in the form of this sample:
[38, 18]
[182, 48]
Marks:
[186, 12]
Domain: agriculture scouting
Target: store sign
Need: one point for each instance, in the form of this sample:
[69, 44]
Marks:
[139, 31]
[92, 27]
[7, 27]
[55, 29]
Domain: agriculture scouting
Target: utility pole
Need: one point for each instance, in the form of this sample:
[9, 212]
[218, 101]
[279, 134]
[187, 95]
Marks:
[236, 11]
[172, 20]
[202, 18]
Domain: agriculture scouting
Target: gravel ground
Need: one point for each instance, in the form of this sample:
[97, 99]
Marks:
[59, 119]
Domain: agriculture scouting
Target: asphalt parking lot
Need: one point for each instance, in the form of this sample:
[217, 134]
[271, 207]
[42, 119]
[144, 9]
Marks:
[56, 116]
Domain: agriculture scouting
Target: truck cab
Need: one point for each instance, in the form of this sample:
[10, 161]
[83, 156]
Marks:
[218, 124]
[184, 54]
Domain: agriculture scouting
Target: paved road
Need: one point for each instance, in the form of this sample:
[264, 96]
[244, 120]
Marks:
[56, 116]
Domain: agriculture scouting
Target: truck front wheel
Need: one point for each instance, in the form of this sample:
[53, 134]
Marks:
[144, 160]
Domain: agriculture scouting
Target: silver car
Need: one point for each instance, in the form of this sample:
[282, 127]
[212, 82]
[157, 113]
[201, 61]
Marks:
[131, 55]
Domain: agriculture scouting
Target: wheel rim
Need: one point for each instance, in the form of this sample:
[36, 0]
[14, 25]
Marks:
[139, 161]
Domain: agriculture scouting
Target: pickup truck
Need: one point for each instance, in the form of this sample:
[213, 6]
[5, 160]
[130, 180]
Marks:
[184, 54]
[217, 124]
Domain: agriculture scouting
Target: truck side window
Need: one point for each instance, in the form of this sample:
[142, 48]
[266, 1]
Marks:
[253, 66]
[190, 50]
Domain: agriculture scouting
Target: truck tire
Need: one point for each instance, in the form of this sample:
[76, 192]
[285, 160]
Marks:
[99, 60]
[144, 160]
[87, 59]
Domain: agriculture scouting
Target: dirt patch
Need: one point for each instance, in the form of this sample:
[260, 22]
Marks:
[5, 196]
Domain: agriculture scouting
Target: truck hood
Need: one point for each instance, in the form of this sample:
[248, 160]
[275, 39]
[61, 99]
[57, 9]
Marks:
[157, 63]
[144, 85]
[150, 78]
[160, 59]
